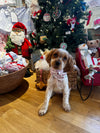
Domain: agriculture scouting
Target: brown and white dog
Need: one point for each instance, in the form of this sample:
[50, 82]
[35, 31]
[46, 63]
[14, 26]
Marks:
[60, 61]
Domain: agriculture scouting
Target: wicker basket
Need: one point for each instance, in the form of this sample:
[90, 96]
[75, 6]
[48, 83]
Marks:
[12, 81]
[72, 77]
[42, 75]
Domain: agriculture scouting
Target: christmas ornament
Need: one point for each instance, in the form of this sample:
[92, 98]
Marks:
[46, 17]
[71, 22]
[67, 32]
[89, 17]
[34, 36]
[43, 39]
[34, 14]
[56, 14]
[61, 1]
[83, 5]
[63, 45]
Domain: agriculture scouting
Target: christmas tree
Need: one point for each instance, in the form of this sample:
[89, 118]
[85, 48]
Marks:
[9, 45]
[60, 23]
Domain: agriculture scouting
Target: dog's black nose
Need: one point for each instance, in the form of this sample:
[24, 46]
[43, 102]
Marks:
[58, 63]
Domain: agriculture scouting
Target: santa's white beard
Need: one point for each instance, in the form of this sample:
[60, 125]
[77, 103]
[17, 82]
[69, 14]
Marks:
[18, 38]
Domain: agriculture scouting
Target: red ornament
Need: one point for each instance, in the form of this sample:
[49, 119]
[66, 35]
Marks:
[89, 17]
[72, 22]
[35, 13]
[46, 17]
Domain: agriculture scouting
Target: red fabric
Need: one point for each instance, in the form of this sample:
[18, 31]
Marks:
[98, 61]
[20, 25]
[24, 48]
[84, 71]
[92, 60]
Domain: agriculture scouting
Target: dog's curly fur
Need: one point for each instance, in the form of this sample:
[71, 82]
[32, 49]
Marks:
[58, 59]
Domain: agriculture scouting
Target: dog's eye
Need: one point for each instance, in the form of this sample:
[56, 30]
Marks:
[55, 55]
[64, 58]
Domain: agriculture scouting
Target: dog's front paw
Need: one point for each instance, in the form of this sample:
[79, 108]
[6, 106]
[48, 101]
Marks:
[42, 111]
[67, 107]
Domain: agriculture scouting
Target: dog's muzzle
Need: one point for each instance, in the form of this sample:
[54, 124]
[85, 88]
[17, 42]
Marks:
[57, 63]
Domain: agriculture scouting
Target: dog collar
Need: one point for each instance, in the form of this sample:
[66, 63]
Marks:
[58, 74]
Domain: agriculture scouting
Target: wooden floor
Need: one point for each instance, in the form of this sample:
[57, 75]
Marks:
[19, 112]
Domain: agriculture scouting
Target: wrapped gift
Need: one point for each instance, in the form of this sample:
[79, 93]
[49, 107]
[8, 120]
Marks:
[11, 62]
[20, 60]
[12, 66]
[11, 56]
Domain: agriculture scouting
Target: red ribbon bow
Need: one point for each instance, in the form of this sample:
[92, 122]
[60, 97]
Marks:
[35, 13]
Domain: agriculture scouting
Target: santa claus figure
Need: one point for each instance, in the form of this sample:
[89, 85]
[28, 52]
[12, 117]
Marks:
[22, 45]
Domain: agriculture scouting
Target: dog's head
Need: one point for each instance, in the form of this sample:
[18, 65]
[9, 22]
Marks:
[60, 59]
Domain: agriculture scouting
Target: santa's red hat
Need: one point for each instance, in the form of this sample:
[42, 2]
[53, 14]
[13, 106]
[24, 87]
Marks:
[19, 27]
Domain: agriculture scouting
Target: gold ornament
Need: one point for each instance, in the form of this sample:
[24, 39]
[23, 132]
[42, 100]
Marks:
[57, 36]
[38, 14]
[43, 39]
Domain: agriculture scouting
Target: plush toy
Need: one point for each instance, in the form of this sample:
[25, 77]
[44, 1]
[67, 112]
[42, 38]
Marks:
[88, 60]
[21, 45]
[93, 45]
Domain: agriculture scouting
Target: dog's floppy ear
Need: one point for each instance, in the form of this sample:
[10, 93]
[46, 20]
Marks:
[70, 63]
[48, 55]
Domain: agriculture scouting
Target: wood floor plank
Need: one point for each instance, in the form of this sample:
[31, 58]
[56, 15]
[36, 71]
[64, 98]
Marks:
[85, 123]
[23, 123]
[5, 127]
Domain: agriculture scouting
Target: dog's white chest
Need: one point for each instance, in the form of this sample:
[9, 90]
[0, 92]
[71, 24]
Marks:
[57, 85]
